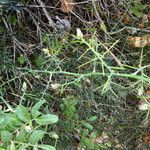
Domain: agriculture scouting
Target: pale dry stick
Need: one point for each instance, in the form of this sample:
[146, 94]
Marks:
[130, 28]
[51, 23]
[84, 2]
[108, 50]
[37, 6]
[5, 23]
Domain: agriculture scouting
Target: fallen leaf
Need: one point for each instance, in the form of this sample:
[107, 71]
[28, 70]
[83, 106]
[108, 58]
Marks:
[101, 139]
[148, 92]
[67, 5]
[145, 18]
[141, 25]
[146, 139]
[136, 41]
[79, 33]
[126, 19]
[144, 106]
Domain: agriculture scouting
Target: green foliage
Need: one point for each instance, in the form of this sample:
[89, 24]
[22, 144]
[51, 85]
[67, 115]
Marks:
[137, 9]
[12, 20]
[6, 136]
[35, 109]
[39, 61]
[68, 107]
[21, 129]
[93, 80]
[87, 125]
[21, 59]
[36, 136]
[46, 119]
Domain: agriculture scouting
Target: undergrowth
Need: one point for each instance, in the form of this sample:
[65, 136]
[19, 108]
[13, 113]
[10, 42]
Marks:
[86, 78]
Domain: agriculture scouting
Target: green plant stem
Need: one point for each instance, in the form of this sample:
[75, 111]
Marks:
[142, 78]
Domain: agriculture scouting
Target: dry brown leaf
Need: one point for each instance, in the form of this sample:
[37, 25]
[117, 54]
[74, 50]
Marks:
[101, 139]
[141, 25]
[146, 18]
[126, 19]
[148, 92]
[67, 5]
[136, 41]
[146, 139]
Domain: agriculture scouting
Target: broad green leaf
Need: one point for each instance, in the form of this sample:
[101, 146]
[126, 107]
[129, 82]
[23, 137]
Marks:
[137, 9]
[21, 135]
[46, 147]
[87, 142]
[46, 119]
[6, 136]
[12, 122]
[22, 113]
[36, 136]
[15, 121]
[2, 120]
[87, 125]
[35, 108]
[85, 132]
[91, 119]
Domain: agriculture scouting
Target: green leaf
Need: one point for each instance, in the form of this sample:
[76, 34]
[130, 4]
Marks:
[35, 108]
[89, 145]
[11, 122]
[91, 119]
[87, 125]
[36, 136]
[39, 61]
[85, 132]
[6, 136]
[21, 135]
[137, 9]
[22, 113]
[46, 119]
[14, 120]
[46, 147]
[21, 59]
[2, 120]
